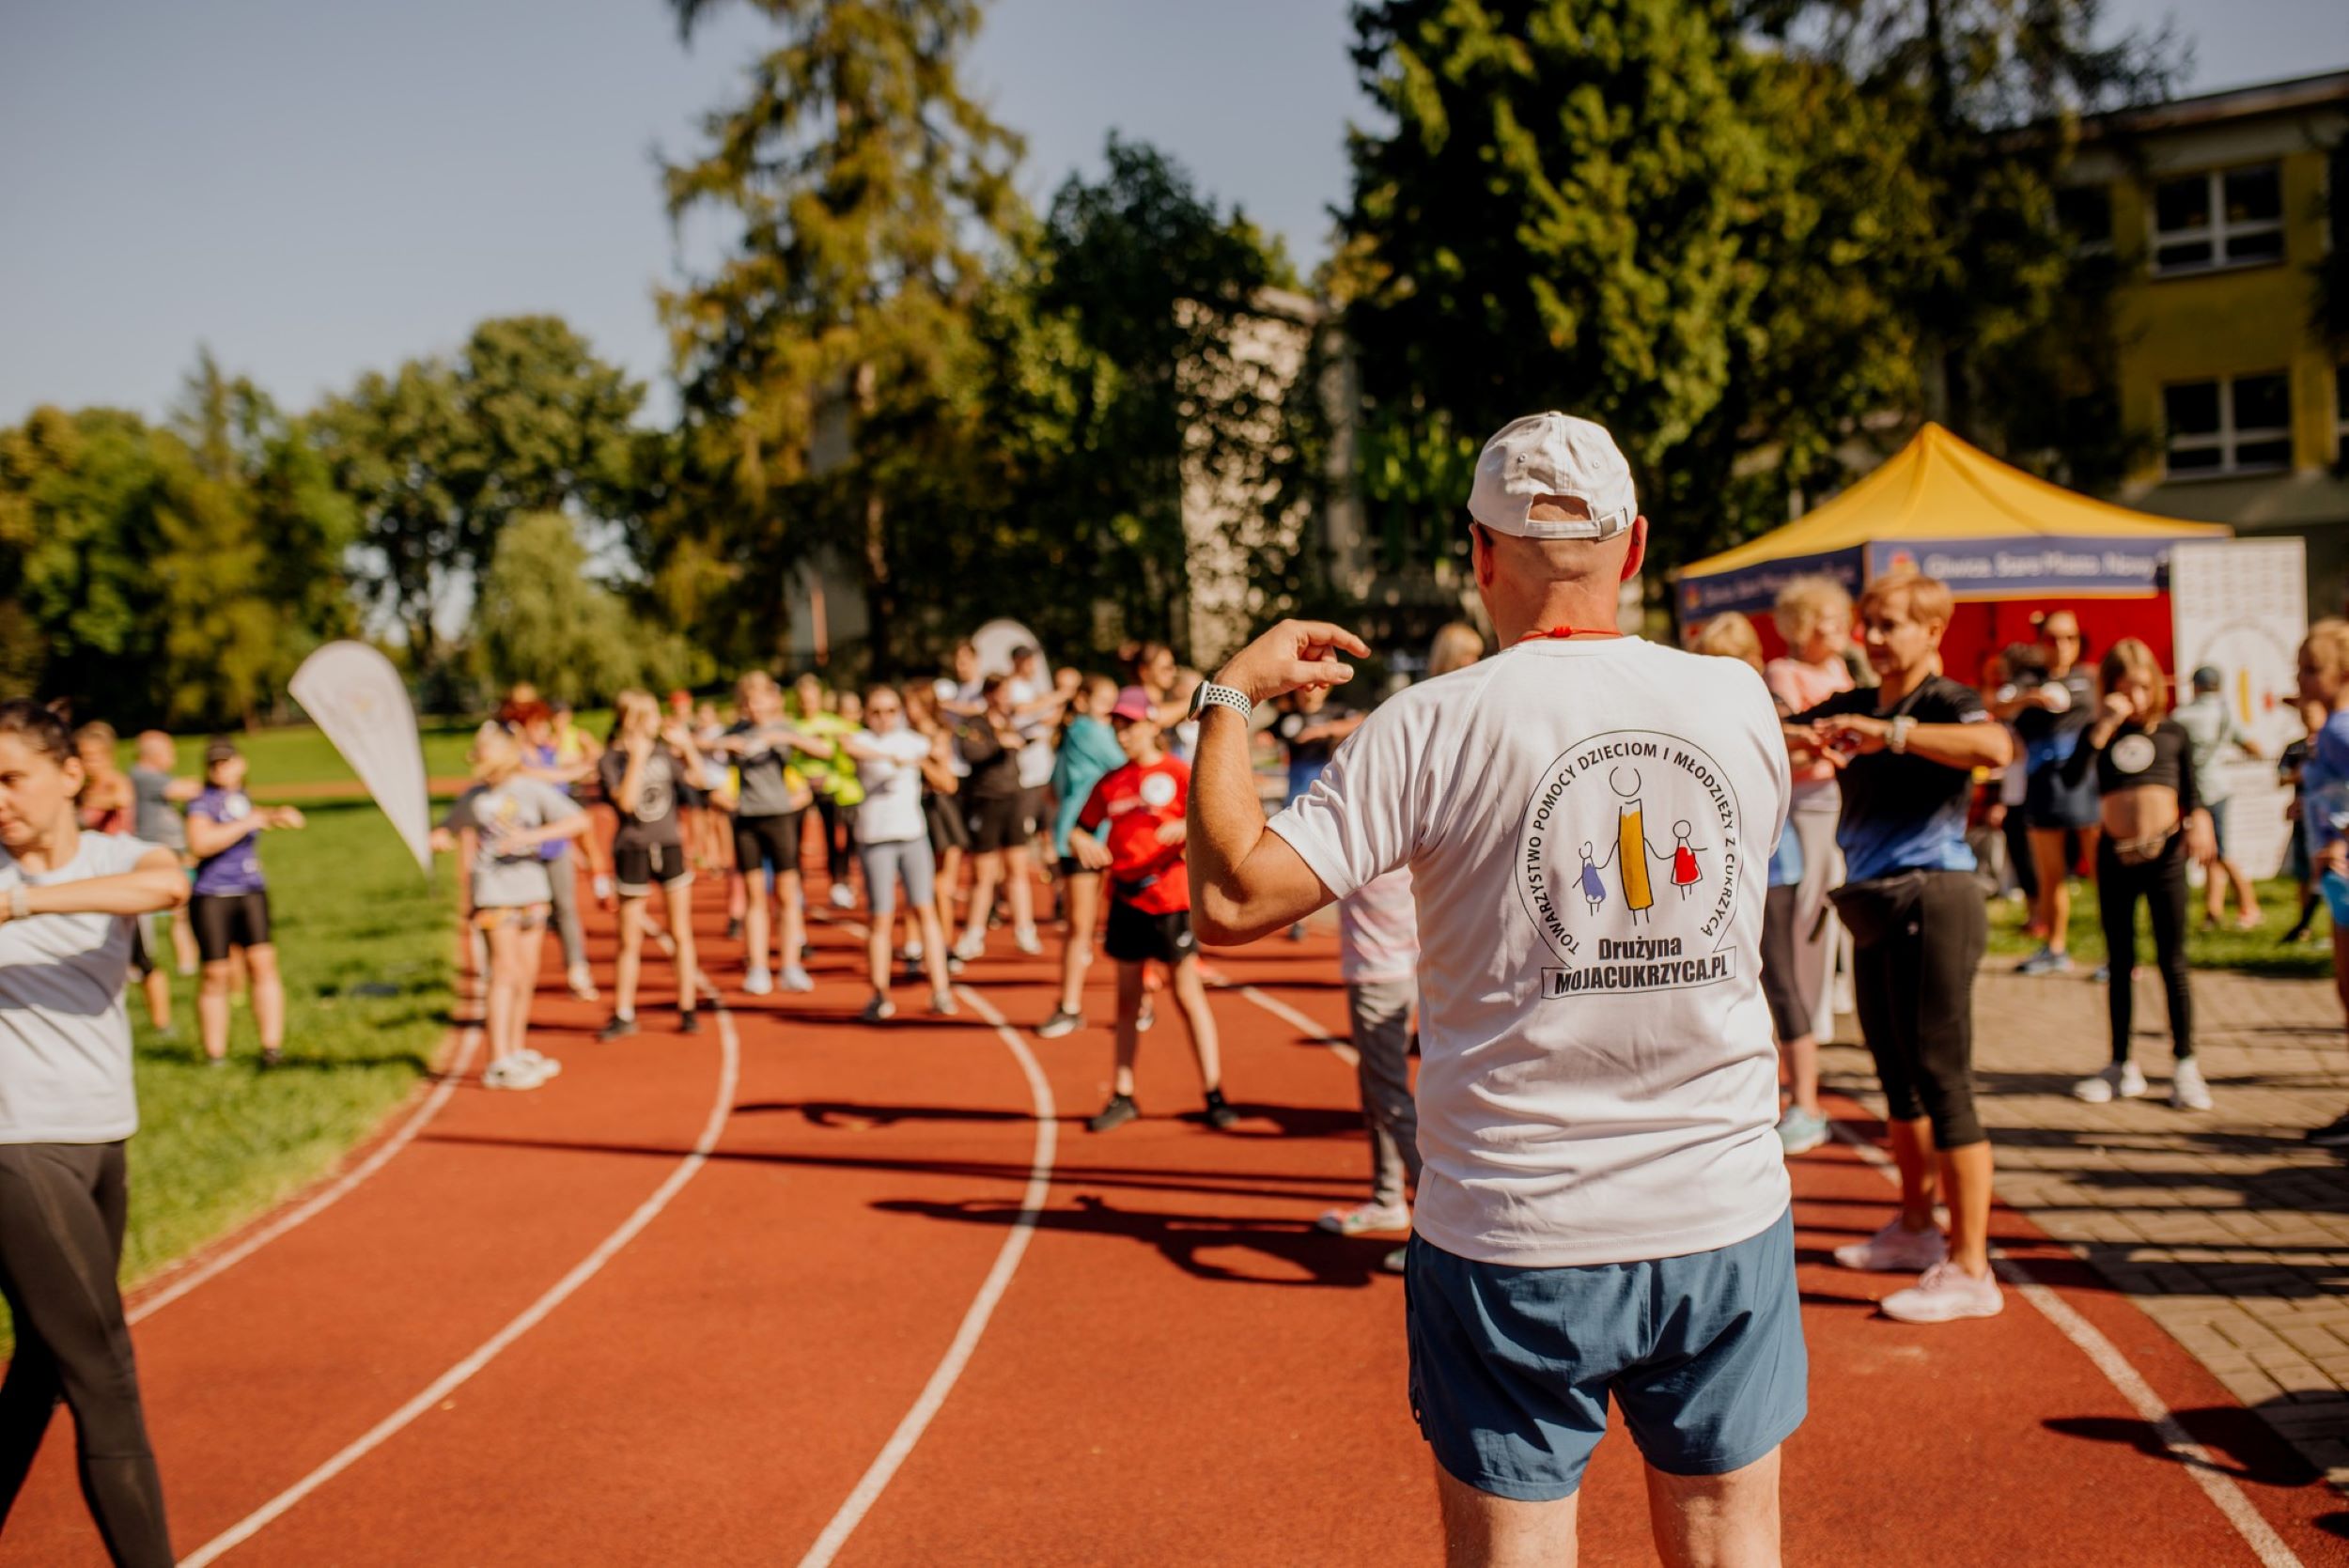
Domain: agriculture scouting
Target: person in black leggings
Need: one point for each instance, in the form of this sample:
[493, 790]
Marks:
[1908, 749]
[2154, 822]
[67, 900]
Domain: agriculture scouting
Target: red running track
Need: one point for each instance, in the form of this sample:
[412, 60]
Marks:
[700, 1361]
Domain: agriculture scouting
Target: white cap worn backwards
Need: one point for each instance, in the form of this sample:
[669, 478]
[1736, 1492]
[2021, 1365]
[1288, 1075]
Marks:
[1553, 455]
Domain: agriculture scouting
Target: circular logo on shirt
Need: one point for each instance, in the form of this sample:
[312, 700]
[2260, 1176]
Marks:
[1630, 857]
[236, 807]
[2133, 753]
[655, 789]
[1157, 791]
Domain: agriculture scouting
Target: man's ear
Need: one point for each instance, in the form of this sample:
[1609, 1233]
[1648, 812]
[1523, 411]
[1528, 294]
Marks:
[1637, 553]
[1481, 554]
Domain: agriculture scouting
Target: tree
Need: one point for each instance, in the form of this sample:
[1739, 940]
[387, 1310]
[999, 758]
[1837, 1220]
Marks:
[1983, 98]
[439, 455]
[868, 189]
[540, 616]
[1558, 218]
[1141, 291]
[77, 537]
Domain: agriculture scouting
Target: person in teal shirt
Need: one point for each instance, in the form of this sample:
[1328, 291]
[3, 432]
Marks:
[1088, 751]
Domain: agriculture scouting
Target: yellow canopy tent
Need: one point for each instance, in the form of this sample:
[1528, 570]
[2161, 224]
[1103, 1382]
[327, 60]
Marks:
[2001, 539]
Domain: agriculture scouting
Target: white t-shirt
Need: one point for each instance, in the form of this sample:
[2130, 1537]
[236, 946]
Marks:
[890, 812]
[1589, 827]
[1379, 930]
[65, 1041]
[1035, 757]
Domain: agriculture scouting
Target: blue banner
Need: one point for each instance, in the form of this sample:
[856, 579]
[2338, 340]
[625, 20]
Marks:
[2030, 566]
[1755, 588]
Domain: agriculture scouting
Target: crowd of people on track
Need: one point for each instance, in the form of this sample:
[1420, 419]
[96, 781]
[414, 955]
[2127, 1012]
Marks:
[941, 818]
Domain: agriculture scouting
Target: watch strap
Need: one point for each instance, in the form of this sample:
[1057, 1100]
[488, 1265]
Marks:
[1212, 695]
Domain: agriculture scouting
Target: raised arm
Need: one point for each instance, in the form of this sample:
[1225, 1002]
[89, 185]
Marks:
[1244, 881]
[154, 883]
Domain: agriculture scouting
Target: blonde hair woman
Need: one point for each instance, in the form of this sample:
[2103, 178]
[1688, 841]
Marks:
[650, 760]
[2152, 823]
[1730, 635]
[503, 821]
[1456, 647]
[1813, 614]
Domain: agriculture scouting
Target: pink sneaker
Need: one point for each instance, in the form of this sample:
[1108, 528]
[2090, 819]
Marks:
[1365, 1219]
[1894, 1250]
[1944, 1294]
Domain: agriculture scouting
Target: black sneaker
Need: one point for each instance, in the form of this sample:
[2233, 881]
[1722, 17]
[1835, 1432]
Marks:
[1062, 1022]
[617, 1029]
[1120, 1110]
[689, 1023]
[2333, 1134]
[273, 1057]
[1219, 1116]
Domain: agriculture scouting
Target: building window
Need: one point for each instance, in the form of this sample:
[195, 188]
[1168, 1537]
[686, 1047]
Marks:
[2084, 212]
[2220, 218]
[2242, 426]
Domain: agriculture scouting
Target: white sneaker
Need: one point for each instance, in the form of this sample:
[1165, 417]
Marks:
[842, 898]
[1944, 1294]
[512, 1071]
[1026, 942]
[545, 1067]
[1894, 1250]
[758, 983]
[797, 979]
[968, 949]
[2119, 1080]
[1363, 1218]
[912, 954]
[583, 984]
[2188, 1091]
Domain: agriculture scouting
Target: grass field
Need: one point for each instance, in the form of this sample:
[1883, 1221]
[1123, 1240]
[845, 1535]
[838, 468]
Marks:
[2260, 952]
[364, 944]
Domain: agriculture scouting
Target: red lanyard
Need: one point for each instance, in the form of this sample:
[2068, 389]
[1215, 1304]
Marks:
[1538, 635]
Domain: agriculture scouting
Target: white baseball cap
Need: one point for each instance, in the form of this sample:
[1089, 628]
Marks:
[1553, 454]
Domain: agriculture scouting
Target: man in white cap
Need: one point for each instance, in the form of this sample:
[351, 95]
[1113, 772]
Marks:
[1588, 819]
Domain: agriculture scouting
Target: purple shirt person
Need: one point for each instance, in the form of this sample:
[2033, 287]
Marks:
[238, 868]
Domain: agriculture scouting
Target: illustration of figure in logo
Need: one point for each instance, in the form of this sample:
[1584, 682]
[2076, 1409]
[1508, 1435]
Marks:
[1593, 886]
[1685, 872]
[1632, 849]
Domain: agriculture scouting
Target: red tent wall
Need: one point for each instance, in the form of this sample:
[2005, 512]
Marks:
[1979, 629]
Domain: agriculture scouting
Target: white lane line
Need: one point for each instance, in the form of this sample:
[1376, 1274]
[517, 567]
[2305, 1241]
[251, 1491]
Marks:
[933, 1396]
[2193, 1458]
[1300, 1022]
[220, 1263]
[530, 1317]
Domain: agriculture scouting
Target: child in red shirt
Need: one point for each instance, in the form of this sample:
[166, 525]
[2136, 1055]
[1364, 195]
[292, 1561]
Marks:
[1132, 828]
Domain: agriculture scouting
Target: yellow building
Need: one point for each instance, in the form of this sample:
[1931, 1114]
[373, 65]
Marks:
[2217, 208]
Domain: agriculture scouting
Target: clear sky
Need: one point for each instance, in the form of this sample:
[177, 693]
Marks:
[317, 187]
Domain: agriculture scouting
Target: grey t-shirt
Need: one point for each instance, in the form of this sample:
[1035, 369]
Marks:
[765, 766]
[65, 1041]
[514, 880]
[155, 818]
[653, 823]
[2210, 725]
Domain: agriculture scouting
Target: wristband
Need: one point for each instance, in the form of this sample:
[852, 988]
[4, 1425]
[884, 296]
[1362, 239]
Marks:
[1211, 695]
[19, 902]
[1897, 741]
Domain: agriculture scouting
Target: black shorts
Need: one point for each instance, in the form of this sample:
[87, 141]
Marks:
[771, 842]
[947, 829]
[637, 866]
[1002, 824]
[1032, 804]
[1071, 866]
[1135, 936]
[228, 919]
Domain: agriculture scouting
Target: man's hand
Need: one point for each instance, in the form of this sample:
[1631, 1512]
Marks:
[1175, 832]
[1090, 851]
[1291, 655]
[1855, 734]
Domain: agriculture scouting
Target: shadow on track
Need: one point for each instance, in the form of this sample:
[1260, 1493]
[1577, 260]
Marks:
[1300, 1253]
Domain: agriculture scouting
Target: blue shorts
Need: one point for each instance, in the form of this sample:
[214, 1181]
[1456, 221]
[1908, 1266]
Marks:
[1512, 1368]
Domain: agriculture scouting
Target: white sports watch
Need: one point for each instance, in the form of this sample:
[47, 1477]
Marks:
[1211, 695]
[1897, 741]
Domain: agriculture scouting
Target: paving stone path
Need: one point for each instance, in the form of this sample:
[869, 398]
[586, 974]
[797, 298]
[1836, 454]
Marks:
[2223, 1225]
